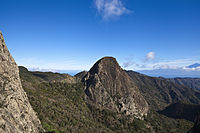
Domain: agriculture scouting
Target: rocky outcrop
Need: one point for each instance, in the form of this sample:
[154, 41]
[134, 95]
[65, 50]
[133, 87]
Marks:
[108, 86]
[16, 113]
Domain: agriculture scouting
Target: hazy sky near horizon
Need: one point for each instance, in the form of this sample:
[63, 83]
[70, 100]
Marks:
[74, 34]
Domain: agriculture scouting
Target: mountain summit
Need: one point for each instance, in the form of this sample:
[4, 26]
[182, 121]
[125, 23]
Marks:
[108, 86]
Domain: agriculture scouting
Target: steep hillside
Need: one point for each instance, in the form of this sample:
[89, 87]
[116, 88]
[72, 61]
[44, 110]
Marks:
[182, 110]
[79, 76]
[16, 113]
[62, 108]
[160, 92]
[189, 82]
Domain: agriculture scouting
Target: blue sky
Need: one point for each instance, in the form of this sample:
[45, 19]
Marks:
[73, 34]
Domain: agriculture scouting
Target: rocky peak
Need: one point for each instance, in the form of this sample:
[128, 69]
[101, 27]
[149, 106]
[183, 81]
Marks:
[105, 64]
[108, 86]
[16, 113]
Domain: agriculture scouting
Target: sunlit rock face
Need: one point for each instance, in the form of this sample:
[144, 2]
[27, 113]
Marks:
[108, 86]
[16, 113]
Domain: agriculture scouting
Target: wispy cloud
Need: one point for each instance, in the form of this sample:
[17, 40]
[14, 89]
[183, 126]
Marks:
[191, 69]
[172, 64]
[151, 63]
[128, 63]
[110, 8]
[150, 56]
[42, 70]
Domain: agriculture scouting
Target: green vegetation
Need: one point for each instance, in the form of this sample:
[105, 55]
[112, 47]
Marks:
[49, 128]
[160, 92]
[181, 110]
[163, 124]
[62, 109]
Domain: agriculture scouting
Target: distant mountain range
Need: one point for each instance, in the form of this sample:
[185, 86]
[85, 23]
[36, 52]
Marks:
[187, 71]
[192, 71]
[196, 65]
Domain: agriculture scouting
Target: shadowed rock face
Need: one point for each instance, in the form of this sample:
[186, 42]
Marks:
[108, 86]
[16, 113]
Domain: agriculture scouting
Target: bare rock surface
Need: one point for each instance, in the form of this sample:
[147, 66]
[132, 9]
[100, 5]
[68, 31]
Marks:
[108, 86]
[16, 113]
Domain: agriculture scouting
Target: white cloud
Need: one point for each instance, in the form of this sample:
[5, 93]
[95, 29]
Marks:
[110, 8]
[165, 66]
[42, 70]
[180, 64]
[150, 56]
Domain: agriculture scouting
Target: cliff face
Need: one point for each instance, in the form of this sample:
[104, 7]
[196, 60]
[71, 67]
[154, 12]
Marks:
[108, 86]
[16, 113]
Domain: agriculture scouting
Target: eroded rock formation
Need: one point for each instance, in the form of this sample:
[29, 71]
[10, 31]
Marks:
[16, 113]
[108, 86]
